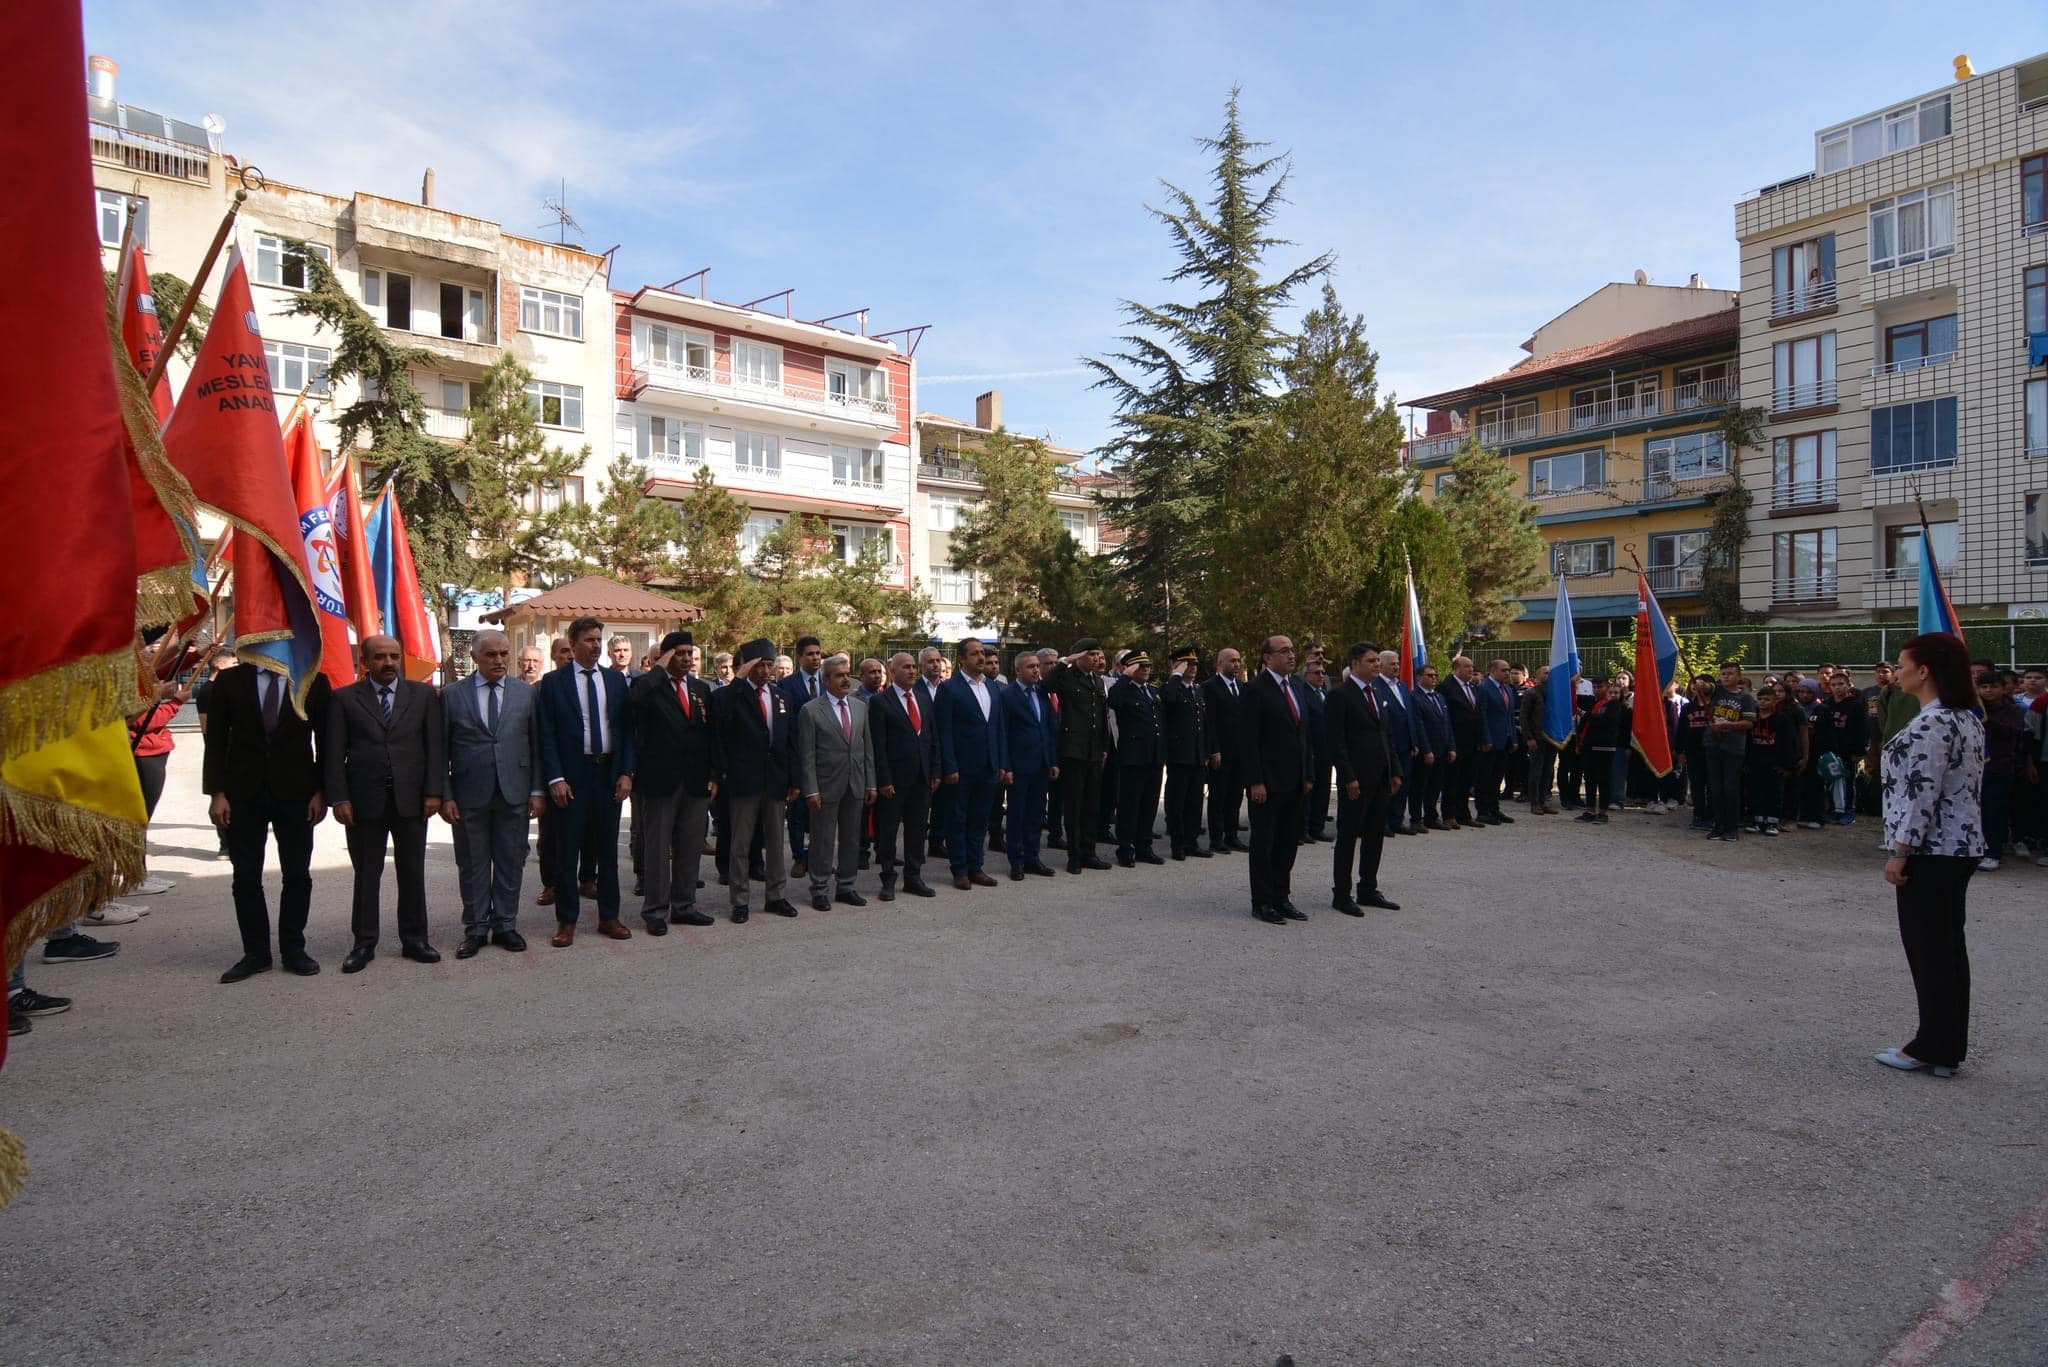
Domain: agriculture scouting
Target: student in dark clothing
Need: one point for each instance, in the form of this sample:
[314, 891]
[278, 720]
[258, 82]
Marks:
[2004, 732]
[1844, 733]
[1692, 746]
[1772, 757]
[1606, 734]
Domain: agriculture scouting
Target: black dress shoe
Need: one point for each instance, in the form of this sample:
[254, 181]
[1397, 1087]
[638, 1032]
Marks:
[848, 897]
[1057, 842]
[1268, 915]
[420, 952]
[1016, 875]
[888, 892]
[1179, 855]
[358, 959]
[1197, 852]
[639, 888]
[782, 906]
[1150, 857]
[917, 887]
[1073, 866]
[1503, 819]
[470, 945]
[1095, 863]
[510, 940]
[817, 904]
[1342, 902]
[739, 916]
[688, 918]
[248, 966]
[655, 927]
[866, 859]
[300, 962]
[1126, 861]
[1039, 870]
[1291, 911]
[1375, 899]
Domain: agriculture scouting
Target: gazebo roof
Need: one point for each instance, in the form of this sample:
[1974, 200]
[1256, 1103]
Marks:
[595, 595]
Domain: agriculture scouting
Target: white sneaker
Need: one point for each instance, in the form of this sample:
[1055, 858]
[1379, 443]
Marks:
[2042, 861]
[112, 914]
[1989, 864]
[1809, 825]
[151, 886]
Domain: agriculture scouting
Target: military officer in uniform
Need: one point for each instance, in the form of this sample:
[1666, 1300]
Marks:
[1140, 755]
[1084, 745]
[1187, 754]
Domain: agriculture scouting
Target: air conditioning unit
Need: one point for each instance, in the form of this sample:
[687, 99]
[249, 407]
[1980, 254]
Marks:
[2027, 612]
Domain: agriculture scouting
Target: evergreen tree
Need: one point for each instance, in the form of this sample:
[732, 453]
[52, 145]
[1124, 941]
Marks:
[1419, 532]
[1505, 555]
[707, 568]
[627, 532]
[792, 571]
[506, 461]
[1006, 534]
[872, 611]
[1192, 381]
[1079, 595]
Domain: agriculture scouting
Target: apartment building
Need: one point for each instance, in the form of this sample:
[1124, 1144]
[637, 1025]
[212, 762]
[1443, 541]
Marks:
[1895, 321]
[798, 419]
[1613, 426]
[946, 486]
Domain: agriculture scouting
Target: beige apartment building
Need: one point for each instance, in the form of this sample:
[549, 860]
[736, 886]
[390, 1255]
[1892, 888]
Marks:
[1894, 321]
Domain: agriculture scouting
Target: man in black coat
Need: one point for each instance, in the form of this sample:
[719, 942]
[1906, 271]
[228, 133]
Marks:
[677, 768]
[1461, 700]
[1222, 691]
[1315, 809]
[263, 777]
[906, 775]
[1084, 745]
[1187, 754]
[757, 739]
[1273, 727]
[1368, 777]
[1140, 754]
[387, 766]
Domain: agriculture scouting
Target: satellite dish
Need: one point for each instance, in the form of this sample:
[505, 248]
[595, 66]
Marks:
[1642, 277]
[214, 124]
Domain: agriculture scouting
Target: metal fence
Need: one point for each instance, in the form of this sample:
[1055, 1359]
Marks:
[2012, 644]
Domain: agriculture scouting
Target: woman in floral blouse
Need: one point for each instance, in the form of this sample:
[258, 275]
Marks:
[1933, 803]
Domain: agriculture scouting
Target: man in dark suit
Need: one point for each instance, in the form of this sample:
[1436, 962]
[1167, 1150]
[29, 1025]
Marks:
[931, 675]
[1034, 742]
[1496, 742]
[493, 789]
[386, 767]
[974, 755]
[1403, 727]
[757, 741]
[1315, 809]
[1275, 750]
[1223, 690]
[1140, 758]
[906, 742]
[805, 684]
[263, 778]
[1439, 753]
[1461, 701]
[1368, 779]
[1084, 745]
[676, 771]
[1186, 708]
[586, 756]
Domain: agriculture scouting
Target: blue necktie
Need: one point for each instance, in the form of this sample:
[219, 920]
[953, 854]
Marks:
[596, 746]
[494, 707]
[384, 701]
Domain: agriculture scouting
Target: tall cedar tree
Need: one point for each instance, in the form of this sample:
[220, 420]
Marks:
[388, 414]
[1313, 518]
[1192, 381]
[628, 533]
[1418, 531]
[708, 571]
[871, 612]
[1079, 595]
[792, 570]
[506, 462]
[1007, 533]
[1505, 555]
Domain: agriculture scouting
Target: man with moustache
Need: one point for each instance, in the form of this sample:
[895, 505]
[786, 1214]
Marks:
[1186, 708]
[677, 767]
[906, 775]
[1223, 690]
[1368, 780]
[1084, 745]
[493, 747]
[1272, 724]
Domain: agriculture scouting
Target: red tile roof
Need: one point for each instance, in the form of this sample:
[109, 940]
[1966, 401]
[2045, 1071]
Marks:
[1680, 336]
[595, 595]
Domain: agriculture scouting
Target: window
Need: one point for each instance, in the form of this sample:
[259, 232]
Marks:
[1445, 480]
[1893, 131]
[1915, 227]
[455, 396]
[2037, 530]
[1564, 474]
[756, 365]
[1621, 401]
[673, 348]
[556, 494]
[856, 468]
[283, 263]
[672, 441]
[757, 528]
[114, 208]
[398, 301]
[1075, 525]
[848, 383]
[1582, 557]
[2037, 418]
[1700, 386]
[557, 405]
[373, 289]
[2037, 299]
[1677, 561]
[945, 511]
[1902, 548]
[1931, 341]
[559, 315]
[1913, 436]
[1803, 566]
[1696, 455]
[2033, 196]
[1803, 276]
[1803, 373]
[1803, 470]
[849, 540]
[754, 453]
[295, 369]
[1506, 422]
[462, 313]
[952, 586]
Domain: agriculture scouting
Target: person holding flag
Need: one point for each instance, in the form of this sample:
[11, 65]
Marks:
[1559, 720]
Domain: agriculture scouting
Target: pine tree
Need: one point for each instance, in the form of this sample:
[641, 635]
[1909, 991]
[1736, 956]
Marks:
[1505, 555]
[792, 570]
[628, 533]
[707, 569]
[871, 611]
[506, 463]
[1192, 381]
[1079, 595]
[1006, 534]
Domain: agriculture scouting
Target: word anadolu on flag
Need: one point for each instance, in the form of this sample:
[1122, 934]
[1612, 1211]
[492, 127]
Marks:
[1656, 658]
[402, 605]
[1558, 720]
[323, 559]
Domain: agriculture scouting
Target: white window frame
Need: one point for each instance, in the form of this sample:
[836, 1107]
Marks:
[849, 537]
[745, 352]
[673, 348]
[951, 585]
[1075, 524]
[272, 257]
[1597, 554]
[857, 467]
[310, 362]
[857, 384]
[569, 403]
[552, 494]
[1788, 391]
[756, 529]
[757, 453]
[1933, 209]
[1880, 134]
[671, 440]
[113, 206]
[943, 510]
[1789, 455]
[1592, 473]
[539, 303]
[2037, 418]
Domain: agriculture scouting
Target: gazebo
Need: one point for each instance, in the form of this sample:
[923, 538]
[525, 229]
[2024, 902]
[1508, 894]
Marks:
[640, 615]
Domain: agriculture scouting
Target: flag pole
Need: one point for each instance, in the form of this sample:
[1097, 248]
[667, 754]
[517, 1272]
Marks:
[192, 291]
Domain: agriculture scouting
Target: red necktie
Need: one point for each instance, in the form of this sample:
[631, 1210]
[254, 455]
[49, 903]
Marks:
[762, 693]
[916, 723]
[1372, 698]
[683, 695]
[1293, 708]
[845, 720]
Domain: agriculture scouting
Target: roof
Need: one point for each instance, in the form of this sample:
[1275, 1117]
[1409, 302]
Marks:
[941, 420]
[595, 595]
[1686, 335]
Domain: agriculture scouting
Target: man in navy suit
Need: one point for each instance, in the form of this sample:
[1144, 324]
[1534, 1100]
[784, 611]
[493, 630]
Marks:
[1404, 730]
[1034, 739]
[1496, 741]
[586, 756]
[974, 753]
[805, 683]
[1439, 753]
[1315, 691]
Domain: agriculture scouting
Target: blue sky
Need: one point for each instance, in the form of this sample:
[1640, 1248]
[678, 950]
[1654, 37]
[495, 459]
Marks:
[985, 168]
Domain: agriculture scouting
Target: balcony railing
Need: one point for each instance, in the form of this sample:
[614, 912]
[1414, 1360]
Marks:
[947, 469]
[148, 153]
[446, 422]
[1790, 398]
[1803, 493]
[1701, 396]
[690, 379]
[1804, 588]
[1677, 578]
[1808, 298]
[1616, 494]
[1911, 363]
[1911, 467]
[1894, 574]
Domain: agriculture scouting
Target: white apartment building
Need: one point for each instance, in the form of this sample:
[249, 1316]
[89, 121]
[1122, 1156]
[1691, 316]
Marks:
[1894, 322]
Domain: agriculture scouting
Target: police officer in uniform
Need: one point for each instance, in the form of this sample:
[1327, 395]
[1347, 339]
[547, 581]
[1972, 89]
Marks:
[1187, 754]
[1084, 744]
[1140, 756]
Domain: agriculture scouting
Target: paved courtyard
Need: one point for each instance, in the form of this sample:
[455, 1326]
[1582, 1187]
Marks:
[1593, 1095]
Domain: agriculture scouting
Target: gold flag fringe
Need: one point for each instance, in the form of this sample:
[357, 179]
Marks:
[164, 594]
[13, 1168]
[66, 902]
[65, 699]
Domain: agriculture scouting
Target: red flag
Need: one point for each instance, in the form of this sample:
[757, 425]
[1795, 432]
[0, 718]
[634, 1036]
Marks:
[224, 437]
[358, 585]
[1652, 736]
[323, 561]
[142, 335]
[405, 607]
[171, 574]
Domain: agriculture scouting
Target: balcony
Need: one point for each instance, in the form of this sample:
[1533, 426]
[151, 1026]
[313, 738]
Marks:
[959, 471]
[1627, 495]
[147, 143]
[1677, 578]
[1901, 574]
[859, 412]
[446, 423]
[1799, 397]
[1803, 301]
[1900, 367]
[1807, 590]
[1803, 495]
[1700, 399]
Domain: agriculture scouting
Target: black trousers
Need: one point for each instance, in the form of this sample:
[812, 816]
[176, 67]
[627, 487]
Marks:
[550, 844]
[1724, 787]
[250, 824]
[1081, 797]
[1486, 772]
[1184, 806]
[407, 838]
[1361, 836]
[1542, 761]
[1105, 812]
[907, 812]
[1276, 831]
[1137, 807]
[1315, 813]
[939, 818]
[1458, 786]
[1931, 928]
[1226, 795]
[1055, 810]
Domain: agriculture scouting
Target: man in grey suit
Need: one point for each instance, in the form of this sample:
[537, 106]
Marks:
[385, 774]
[836, 768]
[493, 742]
